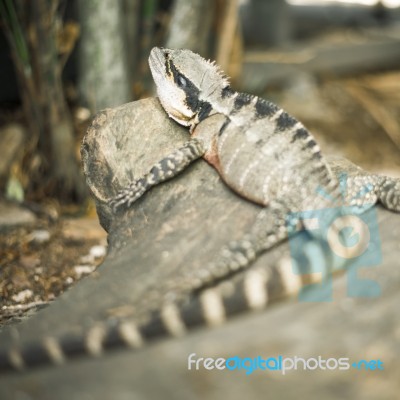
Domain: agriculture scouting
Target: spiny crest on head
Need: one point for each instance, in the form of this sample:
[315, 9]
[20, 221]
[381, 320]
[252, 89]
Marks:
[190, 64]
[219, 71]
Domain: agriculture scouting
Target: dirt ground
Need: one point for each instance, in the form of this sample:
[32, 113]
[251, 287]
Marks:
[42, 260]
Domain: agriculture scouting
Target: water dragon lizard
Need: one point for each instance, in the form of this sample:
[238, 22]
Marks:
[264, 155]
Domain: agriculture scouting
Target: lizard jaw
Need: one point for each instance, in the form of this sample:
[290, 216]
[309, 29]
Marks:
[171, 97]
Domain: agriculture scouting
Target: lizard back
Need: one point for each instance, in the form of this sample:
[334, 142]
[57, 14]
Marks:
[259, 150]
[262, 152]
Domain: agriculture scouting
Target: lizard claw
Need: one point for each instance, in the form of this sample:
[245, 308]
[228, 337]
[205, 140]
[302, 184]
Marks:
[127, 196]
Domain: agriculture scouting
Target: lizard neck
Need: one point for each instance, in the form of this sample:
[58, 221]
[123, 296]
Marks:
[218, 101]
[221, 100]
[238, 107]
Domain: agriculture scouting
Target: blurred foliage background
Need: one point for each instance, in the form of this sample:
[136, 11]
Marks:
[333, 64]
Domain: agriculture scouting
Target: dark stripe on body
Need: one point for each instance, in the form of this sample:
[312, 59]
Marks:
[194, 147]
[35, 354]
[155, 172]
[191, 91]
[154, 329]
[300, 134]
[5, 364]
[285, 122]
[192, 315]
[275, 286]
[205, 110]
[224, 126]
[113, 338]
[227, 92]
[168, 164]
[73, 346]
[241, 100]
[236, 303]
[192, 99]
[311, 143]
[265, 108]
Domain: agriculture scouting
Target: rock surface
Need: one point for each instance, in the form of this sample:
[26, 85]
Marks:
[175, 228]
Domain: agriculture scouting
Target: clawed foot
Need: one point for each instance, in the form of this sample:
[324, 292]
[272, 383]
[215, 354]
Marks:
[389, 194]
[127, 196]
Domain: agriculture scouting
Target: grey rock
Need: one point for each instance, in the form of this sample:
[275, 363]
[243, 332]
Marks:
[40, 236]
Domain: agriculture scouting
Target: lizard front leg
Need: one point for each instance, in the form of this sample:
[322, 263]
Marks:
[389, 193]
[164, 170]
[368, 189]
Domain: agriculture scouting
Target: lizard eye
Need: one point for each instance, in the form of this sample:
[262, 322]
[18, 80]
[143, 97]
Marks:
[181, 81]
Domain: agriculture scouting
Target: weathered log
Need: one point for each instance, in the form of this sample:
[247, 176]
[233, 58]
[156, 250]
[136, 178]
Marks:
[176, 227]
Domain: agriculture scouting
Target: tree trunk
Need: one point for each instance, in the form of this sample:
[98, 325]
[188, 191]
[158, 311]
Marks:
[191, 25]
[103, 78]
[32, 34]
[131, 12]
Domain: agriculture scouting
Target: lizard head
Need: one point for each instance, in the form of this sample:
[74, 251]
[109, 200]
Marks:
[186, 83]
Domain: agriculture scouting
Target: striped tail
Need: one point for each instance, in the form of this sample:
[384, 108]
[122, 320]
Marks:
[253, 290]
